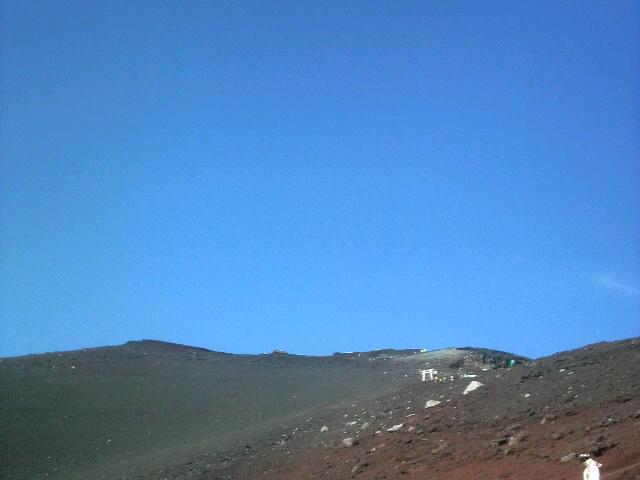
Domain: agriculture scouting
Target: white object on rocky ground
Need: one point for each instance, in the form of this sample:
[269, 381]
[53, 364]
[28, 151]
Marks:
[395, 428]
[430, 372]
[324, 428]
[472, 386]
[432, 403]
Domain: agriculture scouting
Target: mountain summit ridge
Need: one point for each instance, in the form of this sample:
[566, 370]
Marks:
[151, 409]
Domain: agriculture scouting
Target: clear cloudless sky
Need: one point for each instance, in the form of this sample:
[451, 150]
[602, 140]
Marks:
[319, 176]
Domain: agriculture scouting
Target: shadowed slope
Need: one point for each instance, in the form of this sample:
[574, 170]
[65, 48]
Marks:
[147, 401]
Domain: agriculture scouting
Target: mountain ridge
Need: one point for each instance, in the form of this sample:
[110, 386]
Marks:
[149, 409]
[177, 347]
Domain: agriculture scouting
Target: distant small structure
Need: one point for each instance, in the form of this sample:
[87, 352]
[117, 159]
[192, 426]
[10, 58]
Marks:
[430, 372]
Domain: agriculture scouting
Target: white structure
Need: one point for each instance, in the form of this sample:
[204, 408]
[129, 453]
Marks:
[429, 372]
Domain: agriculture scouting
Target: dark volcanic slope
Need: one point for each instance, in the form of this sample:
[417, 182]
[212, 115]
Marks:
[149, 410]
[519, 425]
[115, 410]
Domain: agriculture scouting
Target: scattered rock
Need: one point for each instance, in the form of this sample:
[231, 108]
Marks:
[499, 441]
[359, 467]
[472, 386]
[349, 442]
[514, 427]
[324, 428]
[432, 403]
[517, 439]
[547, 418]
[598, 445]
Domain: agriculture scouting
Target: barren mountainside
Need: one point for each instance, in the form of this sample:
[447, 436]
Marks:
[150, 409]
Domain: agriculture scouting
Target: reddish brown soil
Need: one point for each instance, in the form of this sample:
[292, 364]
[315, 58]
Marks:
[472, 452]
[517, 426]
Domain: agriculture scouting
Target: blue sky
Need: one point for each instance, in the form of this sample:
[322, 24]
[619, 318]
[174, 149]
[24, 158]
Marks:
[319, 176]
